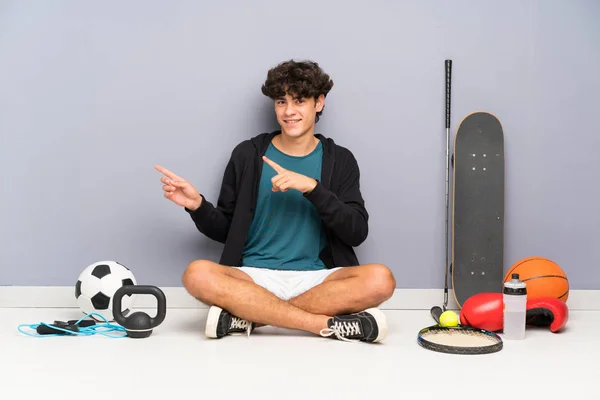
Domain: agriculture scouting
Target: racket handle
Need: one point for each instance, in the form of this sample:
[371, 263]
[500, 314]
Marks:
[436, 313]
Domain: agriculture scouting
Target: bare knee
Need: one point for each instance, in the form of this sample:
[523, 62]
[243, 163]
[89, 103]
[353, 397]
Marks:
[380, 282]
[199, 279]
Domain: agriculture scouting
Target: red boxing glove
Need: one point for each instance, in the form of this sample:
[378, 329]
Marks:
[547, 311]
[485, 311]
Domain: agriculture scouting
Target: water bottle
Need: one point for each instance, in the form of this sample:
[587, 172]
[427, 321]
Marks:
[515, 308]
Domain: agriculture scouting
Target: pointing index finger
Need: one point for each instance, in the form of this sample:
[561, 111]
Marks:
[167, 173]
[274, 165]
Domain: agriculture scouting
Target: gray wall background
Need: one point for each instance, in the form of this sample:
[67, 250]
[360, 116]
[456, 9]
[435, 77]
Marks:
[94, 94]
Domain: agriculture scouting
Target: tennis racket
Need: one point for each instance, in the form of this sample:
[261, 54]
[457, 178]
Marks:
[459, 340]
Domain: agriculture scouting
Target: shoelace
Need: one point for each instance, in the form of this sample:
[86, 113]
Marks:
[238, 323]
[343, 329]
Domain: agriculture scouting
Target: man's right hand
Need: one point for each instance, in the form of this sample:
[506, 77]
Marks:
[178, 190]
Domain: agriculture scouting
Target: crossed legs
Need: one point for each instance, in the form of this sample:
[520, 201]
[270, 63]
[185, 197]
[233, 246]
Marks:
[345, 291]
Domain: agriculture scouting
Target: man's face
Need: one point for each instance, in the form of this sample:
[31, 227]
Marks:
[297, 116]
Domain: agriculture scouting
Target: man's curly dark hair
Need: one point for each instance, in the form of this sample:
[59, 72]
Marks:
[301, 79]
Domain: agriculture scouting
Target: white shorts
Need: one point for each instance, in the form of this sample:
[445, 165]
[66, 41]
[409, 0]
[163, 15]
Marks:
[287, 284]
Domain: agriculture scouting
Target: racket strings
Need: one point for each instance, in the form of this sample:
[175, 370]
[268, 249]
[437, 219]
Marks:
[460, 338]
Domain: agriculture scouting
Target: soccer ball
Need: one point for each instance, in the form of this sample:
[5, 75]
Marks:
[97, 285]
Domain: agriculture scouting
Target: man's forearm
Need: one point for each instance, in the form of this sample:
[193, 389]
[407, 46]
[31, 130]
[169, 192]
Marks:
[349, 222]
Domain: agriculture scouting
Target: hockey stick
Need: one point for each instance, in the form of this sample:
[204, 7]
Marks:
[436, 311]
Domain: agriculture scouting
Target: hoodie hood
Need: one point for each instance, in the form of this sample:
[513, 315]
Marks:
[261, 142]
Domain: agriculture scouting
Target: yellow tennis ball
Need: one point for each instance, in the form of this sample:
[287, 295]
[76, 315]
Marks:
[448, 318]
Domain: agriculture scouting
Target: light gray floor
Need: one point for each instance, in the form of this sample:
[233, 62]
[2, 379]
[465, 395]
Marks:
[178, 362]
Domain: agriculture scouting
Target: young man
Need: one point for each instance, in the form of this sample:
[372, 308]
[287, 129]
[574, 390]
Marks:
[289, 213]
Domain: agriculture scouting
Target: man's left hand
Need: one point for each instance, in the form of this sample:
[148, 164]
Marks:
[285, 179]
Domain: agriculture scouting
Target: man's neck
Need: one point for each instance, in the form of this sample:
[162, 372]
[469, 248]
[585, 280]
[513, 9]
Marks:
[297, 147]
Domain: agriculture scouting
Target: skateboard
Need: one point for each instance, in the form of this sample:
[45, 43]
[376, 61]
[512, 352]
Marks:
[478, 207]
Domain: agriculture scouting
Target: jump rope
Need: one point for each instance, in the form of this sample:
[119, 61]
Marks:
[81, 327]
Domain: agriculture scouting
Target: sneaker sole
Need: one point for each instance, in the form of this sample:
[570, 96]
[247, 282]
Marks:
[382, 326]
[212, 321]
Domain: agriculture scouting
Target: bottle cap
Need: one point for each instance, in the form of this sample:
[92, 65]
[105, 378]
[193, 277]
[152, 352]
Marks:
[515, 286]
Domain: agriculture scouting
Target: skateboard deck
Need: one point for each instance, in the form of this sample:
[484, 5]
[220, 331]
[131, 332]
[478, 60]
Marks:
[478, 207]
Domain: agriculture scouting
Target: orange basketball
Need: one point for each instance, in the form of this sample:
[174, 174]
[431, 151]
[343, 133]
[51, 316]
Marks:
[543, 277]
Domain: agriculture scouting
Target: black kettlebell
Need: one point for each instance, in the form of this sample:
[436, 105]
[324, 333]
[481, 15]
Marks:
[139, 324]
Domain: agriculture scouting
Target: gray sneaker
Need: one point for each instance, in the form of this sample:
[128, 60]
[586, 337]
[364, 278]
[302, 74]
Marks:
[221, 323]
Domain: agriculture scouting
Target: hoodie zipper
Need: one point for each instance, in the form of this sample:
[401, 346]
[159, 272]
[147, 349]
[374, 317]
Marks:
[257, 177]
[327, 231]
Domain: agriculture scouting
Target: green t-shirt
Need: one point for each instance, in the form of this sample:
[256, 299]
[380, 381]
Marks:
[286, 232]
